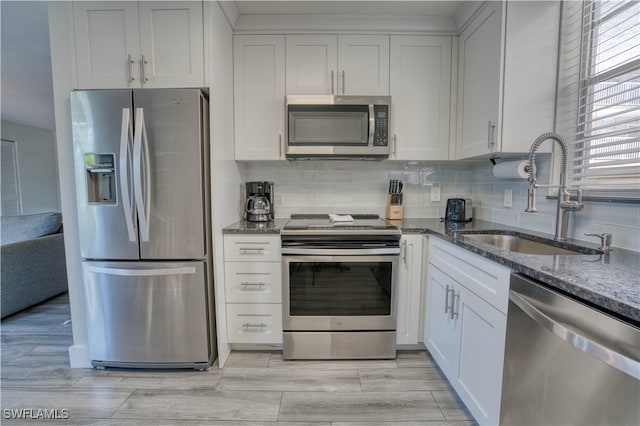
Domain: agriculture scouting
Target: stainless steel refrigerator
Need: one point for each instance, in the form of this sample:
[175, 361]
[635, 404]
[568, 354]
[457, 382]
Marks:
[142, 183]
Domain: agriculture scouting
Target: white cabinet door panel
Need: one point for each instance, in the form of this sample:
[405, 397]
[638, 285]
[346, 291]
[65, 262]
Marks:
[421, 96]
[171, 41]
[259, 87]
[253, 282]
[311, 64]
[440, 328]
[106, 36]
[481, 354]
[363, 64]
[408, 285]
[254, 323]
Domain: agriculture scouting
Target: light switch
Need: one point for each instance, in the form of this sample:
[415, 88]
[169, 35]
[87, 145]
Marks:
[435, 193]
[508, 198]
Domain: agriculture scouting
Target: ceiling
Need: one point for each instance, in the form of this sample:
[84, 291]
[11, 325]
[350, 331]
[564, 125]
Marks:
[27, 92]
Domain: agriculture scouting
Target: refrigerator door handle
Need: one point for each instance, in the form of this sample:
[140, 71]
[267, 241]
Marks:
[126, 135]
[187, 270]
[142, 192]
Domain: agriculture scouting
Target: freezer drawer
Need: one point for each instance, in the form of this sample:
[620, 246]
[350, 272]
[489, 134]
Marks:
[144, 314]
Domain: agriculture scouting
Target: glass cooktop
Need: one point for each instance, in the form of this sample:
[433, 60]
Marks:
[323, 222]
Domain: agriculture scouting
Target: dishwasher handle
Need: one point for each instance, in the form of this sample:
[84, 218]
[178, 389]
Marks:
[575, 339]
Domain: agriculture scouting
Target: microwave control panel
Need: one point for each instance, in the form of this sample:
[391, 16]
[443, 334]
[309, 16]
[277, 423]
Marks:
[381, 132]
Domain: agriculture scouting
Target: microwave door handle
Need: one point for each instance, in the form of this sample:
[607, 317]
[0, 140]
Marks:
[372, 124]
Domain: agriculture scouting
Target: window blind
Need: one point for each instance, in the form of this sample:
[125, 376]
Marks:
[598, 108]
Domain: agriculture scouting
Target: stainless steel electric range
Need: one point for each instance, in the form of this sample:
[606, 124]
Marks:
[339, 288]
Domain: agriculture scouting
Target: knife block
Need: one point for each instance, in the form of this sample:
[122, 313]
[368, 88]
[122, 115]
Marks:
[393, 211]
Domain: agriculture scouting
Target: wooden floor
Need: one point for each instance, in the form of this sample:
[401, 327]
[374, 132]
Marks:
[254, 388]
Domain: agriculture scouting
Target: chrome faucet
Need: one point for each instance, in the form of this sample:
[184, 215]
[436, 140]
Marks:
[564, 205]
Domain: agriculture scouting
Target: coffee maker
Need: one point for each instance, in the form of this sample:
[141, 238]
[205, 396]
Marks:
[259, 204]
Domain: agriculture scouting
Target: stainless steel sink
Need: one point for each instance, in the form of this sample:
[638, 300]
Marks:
[523, 245]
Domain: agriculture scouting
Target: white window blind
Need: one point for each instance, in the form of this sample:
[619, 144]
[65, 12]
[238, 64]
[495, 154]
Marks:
[598, 108]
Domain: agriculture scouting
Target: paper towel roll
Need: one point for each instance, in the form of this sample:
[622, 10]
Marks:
[511, 170]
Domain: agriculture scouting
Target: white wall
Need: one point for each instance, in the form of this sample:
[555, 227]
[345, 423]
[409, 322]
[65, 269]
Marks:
[226, 174]
[37, 166]
[359, 186]
[621, 220]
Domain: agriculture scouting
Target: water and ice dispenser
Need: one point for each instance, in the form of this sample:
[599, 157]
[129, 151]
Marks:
[101, 183]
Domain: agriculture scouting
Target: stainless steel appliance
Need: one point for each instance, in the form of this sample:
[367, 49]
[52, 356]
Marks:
[259, 204]
[142, 186]
[337, 127]
[567, 363]
[459, 210]
[339, 288]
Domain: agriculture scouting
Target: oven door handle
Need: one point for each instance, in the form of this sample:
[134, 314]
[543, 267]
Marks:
[340, 252]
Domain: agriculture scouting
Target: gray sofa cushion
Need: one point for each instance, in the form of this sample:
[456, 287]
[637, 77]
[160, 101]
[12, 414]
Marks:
[21, 228]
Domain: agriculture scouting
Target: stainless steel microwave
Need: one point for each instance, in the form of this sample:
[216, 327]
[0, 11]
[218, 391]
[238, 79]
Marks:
[337, 127]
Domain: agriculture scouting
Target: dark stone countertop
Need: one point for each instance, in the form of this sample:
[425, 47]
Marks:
[246, 227]
[609, 281]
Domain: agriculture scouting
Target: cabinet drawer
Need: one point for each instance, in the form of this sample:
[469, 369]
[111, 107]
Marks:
[487, 279]
[252, 247]
[253, 282]
[254, 323]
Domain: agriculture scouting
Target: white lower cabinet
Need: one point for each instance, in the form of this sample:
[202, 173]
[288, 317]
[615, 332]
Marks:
[465, 324]
[253, 288]
[408, 287]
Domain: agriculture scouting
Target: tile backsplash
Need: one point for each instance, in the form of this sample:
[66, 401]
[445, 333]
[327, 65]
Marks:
[361, 186]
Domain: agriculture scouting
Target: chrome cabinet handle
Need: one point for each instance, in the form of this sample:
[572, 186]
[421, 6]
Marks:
[333, 92]
[343, 79]
[395, 144]
[491, 129]
[143, 63]
[404, 252]
[446, 300]
[279, 145]
[251, 250]
[130, 62]
[248, 325]
[259, 284]
[454, 299]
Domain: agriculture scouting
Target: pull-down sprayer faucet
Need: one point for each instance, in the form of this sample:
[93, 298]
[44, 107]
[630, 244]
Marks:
[564, 205]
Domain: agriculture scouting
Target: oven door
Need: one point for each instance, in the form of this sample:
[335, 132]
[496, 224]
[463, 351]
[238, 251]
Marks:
[339, 293]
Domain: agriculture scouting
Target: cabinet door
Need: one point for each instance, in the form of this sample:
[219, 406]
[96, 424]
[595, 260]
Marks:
[259, 71]
[421, 97]
[480, 354]
[312, 62]
[107, 52]
[479, 90]
[171, 44]
[363, 64]
[408, 283]
[440, 327]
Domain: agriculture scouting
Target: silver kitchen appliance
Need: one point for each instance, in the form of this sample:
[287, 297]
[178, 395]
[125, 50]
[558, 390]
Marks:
[567, 363]
[339, 288]
[142, 186]
[337, 127]
[259, 206]
[459, 210]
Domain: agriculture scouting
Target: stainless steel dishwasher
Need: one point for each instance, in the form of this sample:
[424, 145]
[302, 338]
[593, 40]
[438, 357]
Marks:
[567, 363]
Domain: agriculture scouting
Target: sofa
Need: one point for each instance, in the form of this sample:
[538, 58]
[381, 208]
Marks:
[32, 260]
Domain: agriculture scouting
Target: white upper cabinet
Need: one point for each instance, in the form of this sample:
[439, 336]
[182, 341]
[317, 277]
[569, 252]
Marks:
[312, 63]
[259, 83]
[340, 65]
[145, 44]
[506, 77]
[421, 97]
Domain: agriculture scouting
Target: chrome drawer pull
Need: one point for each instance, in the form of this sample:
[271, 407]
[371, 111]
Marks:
[248, 284]
[248, 325]
[251, 250]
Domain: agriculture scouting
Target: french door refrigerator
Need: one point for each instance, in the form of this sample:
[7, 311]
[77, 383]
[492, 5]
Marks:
[142, 184]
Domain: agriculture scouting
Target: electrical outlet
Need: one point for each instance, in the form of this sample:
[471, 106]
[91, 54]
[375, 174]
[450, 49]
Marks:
[435, 193]
[508, 198]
